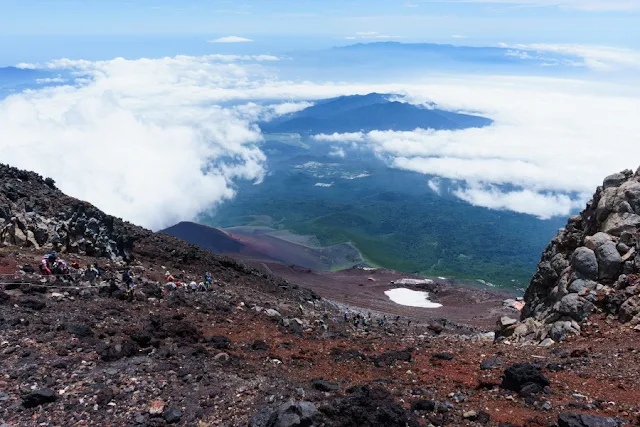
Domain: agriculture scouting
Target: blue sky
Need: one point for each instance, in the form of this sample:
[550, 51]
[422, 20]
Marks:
[78, 28]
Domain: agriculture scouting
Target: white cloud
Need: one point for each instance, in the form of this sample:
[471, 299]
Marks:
[599, 58]
[458, 36]
[553, 138]
[524, 201]
[337, 152]
[290, 107]
[50, 80]
[143, 139]
[231, 39]
[366, 33]
[340, 137]
[434, 185]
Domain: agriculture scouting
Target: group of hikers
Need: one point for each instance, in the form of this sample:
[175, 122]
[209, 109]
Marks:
[192, 286]
[52, 265]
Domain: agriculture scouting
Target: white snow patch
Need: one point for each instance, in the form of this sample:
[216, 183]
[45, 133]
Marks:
[405, 282]
[411, 298]
[442, 278]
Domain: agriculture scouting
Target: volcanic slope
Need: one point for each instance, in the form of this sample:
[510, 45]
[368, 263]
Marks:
[370, 112]
[255, 350]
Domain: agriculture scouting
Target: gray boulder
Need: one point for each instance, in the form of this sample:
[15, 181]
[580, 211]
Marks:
[629, 309]
[585, 263]
[584, 420]
[575, 306]
[618, 223]
[580, 286]
[609, 260]
[559, 330]
[292, 414]
[615, 180]
[598, 239]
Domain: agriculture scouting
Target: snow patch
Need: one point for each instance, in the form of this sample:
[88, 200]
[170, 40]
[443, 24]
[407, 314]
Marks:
[411, 298]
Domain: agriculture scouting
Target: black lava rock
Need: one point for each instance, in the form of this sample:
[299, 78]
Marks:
[39, 397]
[583, 420]
[172, 415]
[424, 405]
[442, 356]
[81, 330]
[322, 385]
[524, 378]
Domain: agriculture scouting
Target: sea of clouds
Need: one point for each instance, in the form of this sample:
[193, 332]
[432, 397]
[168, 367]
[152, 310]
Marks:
[156, 141]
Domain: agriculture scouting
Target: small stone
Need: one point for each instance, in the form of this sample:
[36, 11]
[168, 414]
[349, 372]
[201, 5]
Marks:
[507, 321]
[442, 356]
[547, 342]
[424, 405]
[470, 415]
[273, 313]
[322, 385]
[156, 407]
[172, 415]
[221, 357]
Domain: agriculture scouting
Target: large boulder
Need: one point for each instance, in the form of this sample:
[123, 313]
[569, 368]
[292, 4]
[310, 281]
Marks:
[524, 378]
[629, 309]
[585, 420]
[609, 261]
[290, 414]
[585, 263]
[575, 306]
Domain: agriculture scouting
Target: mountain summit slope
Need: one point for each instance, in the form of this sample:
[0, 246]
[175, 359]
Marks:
[592, 266]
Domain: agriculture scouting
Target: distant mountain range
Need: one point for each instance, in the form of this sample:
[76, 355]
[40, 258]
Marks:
[367, 113]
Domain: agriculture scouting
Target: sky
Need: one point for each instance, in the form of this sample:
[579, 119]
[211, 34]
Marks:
[78, 28]
[149, 109]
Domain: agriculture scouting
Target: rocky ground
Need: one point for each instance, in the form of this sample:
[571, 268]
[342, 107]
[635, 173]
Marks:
[79, 356]
[259, 350]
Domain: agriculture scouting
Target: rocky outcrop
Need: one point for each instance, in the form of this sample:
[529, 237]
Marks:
[34, 213]
[590, 266]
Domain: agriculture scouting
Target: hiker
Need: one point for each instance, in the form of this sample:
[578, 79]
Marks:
[208, 279]
[202, 287]
[96, 269]
[300, 309]
[194, 286]
[127, 278]
[60, 267]
[346, 317]
[52, 257]
[44, 266]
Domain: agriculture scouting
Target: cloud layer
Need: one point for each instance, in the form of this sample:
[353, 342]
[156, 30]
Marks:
[141, 139]
[231, 39]
[552, 143]
[157, 141]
